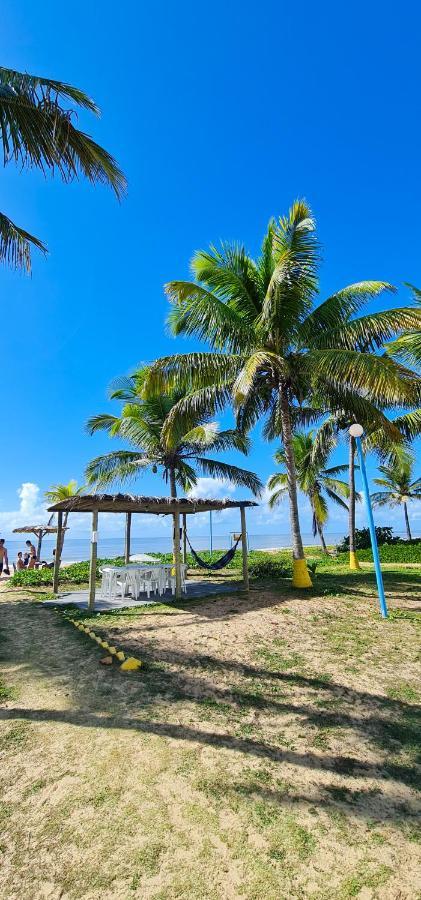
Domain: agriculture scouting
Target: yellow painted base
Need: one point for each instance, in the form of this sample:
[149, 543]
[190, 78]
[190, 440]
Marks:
[300, 575]
[353, 560]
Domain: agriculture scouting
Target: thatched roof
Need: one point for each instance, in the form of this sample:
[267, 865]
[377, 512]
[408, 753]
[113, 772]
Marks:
[121, 503]
[35, 529]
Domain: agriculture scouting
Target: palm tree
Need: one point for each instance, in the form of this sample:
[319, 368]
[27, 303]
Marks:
[313, 479]
[36, 130]
[281, 352]
[398, 486]
[178, 452]
[59, 492]
[407, 347]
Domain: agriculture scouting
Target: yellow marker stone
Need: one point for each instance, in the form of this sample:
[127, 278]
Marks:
[120, 655]
[113, 651]
[131, 664]
[300, 576]
[105, 645]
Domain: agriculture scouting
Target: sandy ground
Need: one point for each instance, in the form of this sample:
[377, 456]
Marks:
[266, 751]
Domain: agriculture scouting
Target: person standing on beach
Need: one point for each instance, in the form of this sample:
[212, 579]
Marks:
[32, 555]
[4, 560]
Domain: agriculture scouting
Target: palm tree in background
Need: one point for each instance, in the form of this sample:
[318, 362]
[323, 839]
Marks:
[283, 357]
[398, 487]
[314, 479]
[177, 452]
[59, 492]
[37, 131]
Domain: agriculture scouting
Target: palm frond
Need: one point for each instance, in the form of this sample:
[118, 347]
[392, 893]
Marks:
[38, 131]
[340, 307]
[16, 243]
[337, 499]
[263, 363]
[409, 424]
[369, 333]
[103, 422]
[199, 312]
[294, 278]
[407, 348]
[201, 436]
[194, 407]
[231, 273]
[379, 377]
[192, 372]
[118, 466]
[217, 469]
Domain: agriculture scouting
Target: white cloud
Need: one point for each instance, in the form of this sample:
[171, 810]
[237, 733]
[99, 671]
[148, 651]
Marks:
[31, 510]
[212, 489]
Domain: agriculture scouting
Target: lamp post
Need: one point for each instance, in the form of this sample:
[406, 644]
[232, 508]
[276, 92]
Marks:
[356, 431]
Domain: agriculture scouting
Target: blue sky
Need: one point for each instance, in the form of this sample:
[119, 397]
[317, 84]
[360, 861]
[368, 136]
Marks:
[220, 116]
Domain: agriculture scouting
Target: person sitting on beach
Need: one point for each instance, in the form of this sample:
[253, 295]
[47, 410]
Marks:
[19, 561]
[32, 555]
[4, 560]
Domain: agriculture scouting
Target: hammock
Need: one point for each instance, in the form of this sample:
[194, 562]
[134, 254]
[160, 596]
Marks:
[220, 563]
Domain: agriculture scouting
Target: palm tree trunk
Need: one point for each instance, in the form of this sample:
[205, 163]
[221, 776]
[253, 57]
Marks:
[408, 530]
[65, 517]
[176, 537]
[353, 558]
[300, 574]
[173, 485]
[322, 539]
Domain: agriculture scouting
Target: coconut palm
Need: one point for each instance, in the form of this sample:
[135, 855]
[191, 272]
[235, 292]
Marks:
[178, 453]
[407, 347]
[281, 352]
[37, 131]
[398, 487]
[314, 479]
[59, 492]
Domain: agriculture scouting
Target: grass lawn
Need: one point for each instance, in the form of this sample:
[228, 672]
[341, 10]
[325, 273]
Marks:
[269, 749]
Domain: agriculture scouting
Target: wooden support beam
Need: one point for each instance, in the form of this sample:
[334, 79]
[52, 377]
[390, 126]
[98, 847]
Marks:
[127, 539]
[40, 535]
[176, 554]
[92, 567]
[57, 557]
[244, 548]
[184, 538]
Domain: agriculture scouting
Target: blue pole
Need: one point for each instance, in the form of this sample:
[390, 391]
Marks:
[374, 547]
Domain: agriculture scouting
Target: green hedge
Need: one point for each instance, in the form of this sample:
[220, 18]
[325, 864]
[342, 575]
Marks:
[261, 565]
[395, 553]
[77, 573]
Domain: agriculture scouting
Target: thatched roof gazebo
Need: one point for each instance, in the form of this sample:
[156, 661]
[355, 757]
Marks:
[39, 531]
[129, 504]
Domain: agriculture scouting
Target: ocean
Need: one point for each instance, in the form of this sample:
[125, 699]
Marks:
[78, 549]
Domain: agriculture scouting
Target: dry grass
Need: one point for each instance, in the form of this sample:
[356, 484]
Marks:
[267, 750]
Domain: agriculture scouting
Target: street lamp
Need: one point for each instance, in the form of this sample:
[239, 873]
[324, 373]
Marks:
[356, 431]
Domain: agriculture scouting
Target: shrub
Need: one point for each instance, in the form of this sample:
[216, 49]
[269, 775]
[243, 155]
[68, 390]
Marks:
[363, 541]
[76, 573]
[268, 568]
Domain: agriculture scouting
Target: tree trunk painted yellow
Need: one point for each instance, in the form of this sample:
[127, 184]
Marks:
[353, 560]
[300, 576]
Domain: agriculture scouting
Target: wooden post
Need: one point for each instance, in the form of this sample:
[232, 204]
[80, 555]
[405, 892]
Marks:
[58, 551]
[40, 537]
[244, 548]
[176, 552]
[184, 538]
[127, 541]
[92, 567]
